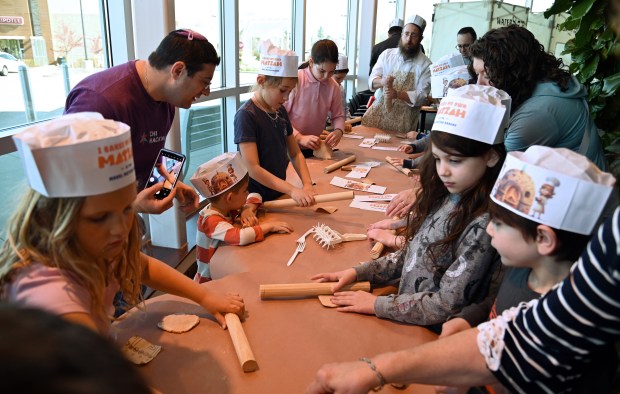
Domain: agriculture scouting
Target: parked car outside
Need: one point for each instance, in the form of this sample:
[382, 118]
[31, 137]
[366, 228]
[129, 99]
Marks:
[8, 63]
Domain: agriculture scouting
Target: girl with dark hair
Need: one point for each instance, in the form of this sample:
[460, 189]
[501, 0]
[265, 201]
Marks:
[316, 94]
[549, 105]
[446, 258]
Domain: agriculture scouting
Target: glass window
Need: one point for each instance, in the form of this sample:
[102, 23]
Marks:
[260, 21]
[541, 5]
[203, 138]
[386, 12]
[14, 176]
[204, 17]
[326, 19]
[425, 10]
[43, 35]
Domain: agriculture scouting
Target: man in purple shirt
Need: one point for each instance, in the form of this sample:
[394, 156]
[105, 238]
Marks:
[144, 94]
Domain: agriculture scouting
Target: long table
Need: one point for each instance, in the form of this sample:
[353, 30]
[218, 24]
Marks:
[291, 338]
[274, 252]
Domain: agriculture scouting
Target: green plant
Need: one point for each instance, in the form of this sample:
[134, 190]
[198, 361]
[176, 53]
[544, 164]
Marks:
[595, 55]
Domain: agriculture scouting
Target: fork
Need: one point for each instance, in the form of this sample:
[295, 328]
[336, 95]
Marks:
[301, 245]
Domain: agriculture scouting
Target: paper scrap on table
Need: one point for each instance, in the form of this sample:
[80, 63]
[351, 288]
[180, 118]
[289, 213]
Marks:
[371, 164]
[385, 147]
[139, 350]
[327, 209]
[368, 142]
[370, 197]
[353, 136]
[358, 172]
[369, 206]
[359, 186]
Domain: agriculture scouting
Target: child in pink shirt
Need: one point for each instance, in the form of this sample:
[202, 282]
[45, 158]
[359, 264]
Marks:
[316, 94]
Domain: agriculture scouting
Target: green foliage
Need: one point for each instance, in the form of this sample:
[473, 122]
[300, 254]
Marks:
[595, 53]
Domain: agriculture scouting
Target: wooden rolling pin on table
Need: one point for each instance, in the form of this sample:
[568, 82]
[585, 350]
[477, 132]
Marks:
[289, 202]
[290, 290]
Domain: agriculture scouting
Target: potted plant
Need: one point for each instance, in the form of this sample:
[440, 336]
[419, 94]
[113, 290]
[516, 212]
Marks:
[595, 56]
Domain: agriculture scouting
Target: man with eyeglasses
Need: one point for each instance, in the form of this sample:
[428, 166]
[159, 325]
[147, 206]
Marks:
[144, 94]
[401, 80]
[464, 38]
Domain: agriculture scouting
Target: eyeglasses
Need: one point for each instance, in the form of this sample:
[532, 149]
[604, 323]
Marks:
[190, 34]
[465, 46]
[412, 35]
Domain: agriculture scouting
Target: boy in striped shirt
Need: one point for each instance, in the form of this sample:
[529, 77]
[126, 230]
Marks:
[224, 182]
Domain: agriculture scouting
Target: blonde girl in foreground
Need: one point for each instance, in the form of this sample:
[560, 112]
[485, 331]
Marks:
[73, 241]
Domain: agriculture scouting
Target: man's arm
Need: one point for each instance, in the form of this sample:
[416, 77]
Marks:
[454, 360]
[374, 80]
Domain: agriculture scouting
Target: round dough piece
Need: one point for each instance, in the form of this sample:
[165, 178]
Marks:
[178, 323]
[326, 301]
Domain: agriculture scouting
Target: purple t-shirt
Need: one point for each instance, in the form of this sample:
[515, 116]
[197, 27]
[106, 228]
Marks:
[118, 94]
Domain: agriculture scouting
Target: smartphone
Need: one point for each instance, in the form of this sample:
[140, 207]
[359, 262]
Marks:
[166, 169]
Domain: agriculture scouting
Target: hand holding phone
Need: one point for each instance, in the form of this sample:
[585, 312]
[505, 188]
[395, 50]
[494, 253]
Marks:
[166, 169]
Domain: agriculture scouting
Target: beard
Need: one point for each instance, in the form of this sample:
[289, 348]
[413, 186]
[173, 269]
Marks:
[408, 52]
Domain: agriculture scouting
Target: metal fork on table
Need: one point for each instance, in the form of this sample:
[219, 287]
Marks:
[301, 245]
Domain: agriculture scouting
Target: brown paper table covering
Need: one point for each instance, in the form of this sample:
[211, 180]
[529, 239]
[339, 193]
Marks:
[290, 339]
[273, 253]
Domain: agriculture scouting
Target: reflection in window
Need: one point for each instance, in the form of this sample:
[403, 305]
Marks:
[260, 21]
[203, 137]
[204, 17]
[326, 19]
[43, 35]
[425, 10]
[386, 12]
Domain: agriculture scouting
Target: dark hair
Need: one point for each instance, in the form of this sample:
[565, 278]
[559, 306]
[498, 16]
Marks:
[243, 182]
[395, 30]
[468, 30]
[570, 244]
[472, 203]
[44, 353]
[177, 47]
[322, 51]
[343, 71]
[515, 62]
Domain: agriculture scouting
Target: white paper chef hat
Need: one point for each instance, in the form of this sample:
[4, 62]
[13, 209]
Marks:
[477, 112]
[396, 22]
[219, 174]
[448, 72]
[418, 21]
[343, 62]
[277, 62]
[77, 155]
[553, 186]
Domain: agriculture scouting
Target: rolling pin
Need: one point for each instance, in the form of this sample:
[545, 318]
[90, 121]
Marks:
[289, 202]
[240, 342]
[353, 120]
[339, 164]
[406, 171]
[306, 289]
[377, 249]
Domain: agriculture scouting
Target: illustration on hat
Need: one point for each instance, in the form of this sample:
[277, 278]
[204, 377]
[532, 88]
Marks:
[219, 174]
[222, 181]
[516, 189]
[545, 193]
[555, 187]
